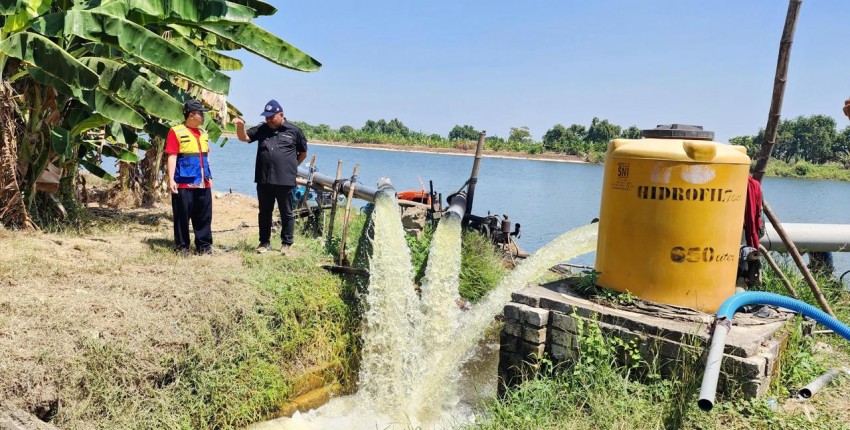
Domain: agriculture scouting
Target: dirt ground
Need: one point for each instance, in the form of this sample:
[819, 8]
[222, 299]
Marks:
[60, 293]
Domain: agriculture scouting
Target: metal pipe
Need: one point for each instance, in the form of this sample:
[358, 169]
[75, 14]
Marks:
[361, 191]
[798, 260]
[809, 237]
[708, 389]
[457, 206]
[473, 178]
[816, 385]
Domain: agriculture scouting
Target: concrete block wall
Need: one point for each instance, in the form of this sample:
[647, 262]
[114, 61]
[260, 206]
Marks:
[538, 323]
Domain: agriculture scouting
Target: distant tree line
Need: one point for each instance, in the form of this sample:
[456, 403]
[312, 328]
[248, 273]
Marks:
[579, 140]
[814, 139]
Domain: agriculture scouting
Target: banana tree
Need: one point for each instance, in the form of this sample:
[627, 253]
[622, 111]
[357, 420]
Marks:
[83, 79]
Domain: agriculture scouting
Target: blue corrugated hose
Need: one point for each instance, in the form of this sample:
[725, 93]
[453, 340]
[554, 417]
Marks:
[724, 318]
[737, 301]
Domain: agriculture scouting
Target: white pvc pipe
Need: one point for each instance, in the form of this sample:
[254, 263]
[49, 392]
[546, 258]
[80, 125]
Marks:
[712, 365]
[809, 237]
[813, 387]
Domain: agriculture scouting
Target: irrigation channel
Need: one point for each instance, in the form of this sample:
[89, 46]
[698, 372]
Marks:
[415, 346]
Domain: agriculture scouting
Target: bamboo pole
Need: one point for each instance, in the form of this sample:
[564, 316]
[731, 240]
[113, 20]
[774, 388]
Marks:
[769, 142]
[351, 187]
[798, 259]
[778, 88]
[333, 201]
[772, 263]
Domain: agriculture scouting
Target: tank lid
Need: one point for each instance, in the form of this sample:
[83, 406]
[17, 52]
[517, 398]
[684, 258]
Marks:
[678, 131]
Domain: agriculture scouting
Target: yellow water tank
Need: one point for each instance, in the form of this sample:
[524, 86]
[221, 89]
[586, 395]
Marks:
[671, 217]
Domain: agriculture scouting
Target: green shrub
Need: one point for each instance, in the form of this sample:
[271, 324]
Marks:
[482, 267]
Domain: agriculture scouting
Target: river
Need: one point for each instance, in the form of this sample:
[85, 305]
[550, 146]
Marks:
[546, 197]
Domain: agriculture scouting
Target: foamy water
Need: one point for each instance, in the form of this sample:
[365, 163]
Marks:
[415, 348]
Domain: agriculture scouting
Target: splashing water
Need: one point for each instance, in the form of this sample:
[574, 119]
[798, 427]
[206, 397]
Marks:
[414, 349]
[569, 245]
[392, 313]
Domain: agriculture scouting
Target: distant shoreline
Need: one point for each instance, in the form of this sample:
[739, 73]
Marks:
[560, 158]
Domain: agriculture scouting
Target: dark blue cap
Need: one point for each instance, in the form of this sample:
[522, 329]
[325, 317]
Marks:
[193, 105]
[272, 107]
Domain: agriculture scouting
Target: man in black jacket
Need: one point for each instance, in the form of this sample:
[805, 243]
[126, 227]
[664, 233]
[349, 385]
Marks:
[282, 147]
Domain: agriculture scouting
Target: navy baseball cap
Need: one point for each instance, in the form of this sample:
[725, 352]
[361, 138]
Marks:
[272, 107]
[193, 105]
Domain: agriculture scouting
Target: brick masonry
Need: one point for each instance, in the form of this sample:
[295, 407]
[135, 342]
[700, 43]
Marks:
[546, 320]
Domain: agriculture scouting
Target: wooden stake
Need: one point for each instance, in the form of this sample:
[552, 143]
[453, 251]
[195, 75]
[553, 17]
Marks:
[778, 271]
[798, 259]
[351, 186]
[333, 202]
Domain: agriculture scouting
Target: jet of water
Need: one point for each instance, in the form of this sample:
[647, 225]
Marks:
[437, 386]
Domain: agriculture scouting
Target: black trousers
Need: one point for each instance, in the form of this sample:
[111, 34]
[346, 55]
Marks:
[194, 204]
[267, 194]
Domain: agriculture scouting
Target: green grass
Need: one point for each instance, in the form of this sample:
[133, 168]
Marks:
[241, 361]
[806, 170]
[481, 269]
[601, 391]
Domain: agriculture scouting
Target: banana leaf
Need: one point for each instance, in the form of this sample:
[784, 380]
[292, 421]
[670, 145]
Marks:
[112, 108]
[9, 7]
[127, 36]
[147, 11]
[46, 79]
[220, 80]
[224, 62]
[119, 153]
[61, 141]
[96, 170]
[103, 104]
[262, 8]
[266, 45]
[26, 11]
[133, 88]
[157, 129]
[144, 144]
[212, 128]
[49, 58]
[210, 58]
[96, 120]
[123, 135]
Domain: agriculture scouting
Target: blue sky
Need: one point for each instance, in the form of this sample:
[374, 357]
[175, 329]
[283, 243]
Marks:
[498, 64]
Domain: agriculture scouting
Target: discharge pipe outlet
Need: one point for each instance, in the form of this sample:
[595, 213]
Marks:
[361, 191]
[385, 186]
[724, 322]
[457, 205]
[821, 381]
